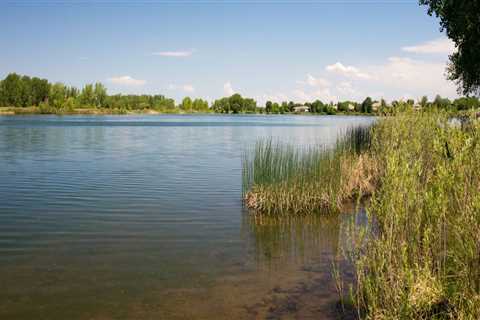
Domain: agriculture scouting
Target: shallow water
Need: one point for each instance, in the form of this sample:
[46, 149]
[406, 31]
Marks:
[140, 217]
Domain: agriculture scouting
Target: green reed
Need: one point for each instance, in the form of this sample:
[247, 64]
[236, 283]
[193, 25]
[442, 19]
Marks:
[280, 178]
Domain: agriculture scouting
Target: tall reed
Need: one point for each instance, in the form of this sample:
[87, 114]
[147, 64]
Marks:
[280, 178]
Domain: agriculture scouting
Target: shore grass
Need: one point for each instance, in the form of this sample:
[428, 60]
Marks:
[424, 260]
[419, 256]
[281, 179]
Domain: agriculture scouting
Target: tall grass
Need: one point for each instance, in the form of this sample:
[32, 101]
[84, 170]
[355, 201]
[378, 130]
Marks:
[424, 261]
[280, 178]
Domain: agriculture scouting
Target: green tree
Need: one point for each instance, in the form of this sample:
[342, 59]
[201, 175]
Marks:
[460, 20]
[26, 92]
[367, 105]
[12, 90]
[57, 96]
[99, 95]
[200, 105]
[186, 104]
[268, 106]
[40, 90]
[87, 97]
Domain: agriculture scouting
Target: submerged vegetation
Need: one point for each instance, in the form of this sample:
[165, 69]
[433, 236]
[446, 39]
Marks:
[422, 173]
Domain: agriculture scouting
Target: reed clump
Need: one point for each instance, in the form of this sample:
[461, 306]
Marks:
[423, 260]
[283, 179]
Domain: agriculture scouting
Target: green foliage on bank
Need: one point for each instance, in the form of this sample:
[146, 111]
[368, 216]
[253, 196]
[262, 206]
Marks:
[422, 261]
[24, 94]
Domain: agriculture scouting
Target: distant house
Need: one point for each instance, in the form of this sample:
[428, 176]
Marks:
[351, 107]
[376, 106]
[301, 109]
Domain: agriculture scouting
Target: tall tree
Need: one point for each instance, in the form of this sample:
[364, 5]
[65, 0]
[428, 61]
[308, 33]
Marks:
[460, 20]
[186, 104]
[268, 107]
[367, 105]
[100, 95]
[12, 90]
[87, 97]
[40, 90]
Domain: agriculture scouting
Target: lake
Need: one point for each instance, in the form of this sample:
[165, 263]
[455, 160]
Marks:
[141, 217]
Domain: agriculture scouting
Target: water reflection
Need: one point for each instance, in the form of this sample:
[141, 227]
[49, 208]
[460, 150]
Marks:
[277, 242]
[141, 217]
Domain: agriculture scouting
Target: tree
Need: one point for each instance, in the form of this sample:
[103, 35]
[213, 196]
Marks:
[200, 105]
[268, 106]
[186, 104]
[367, 105]
[317, 107]
[99, 95]
[11, 90]
[58, 95]
[25, 91]
[39, 91]
[291, 106]
[424, 102]
[460, 20]
[441, 103]
[87, 97]
[466, 103]
[383, 103]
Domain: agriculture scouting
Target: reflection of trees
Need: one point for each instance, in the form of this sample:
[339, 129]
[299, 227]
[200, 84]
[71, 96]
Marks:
[276, 242]
[56, 140]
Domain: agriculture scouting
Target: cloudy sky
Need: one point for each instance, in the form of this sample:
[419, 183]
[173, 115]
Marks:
[276, 50]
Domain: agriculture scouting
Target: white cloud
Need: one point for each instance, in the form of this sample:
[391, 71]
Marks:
[227, 89]
[126, 81]
[441, 45]
[347, 71]
[188, 88]
[389, 79]
[314, 82]
[417, 77]
[174, 54]
[346, 89]
[324, 95]
[185, 87]
[276, 97]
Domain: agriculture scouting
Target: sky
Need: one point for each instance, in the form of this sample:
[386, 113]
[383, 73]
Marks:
[267, 50]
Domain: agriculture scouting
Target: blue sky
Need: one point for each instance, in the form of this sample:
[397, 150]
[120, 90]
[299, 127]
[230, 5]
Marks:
[331, 50]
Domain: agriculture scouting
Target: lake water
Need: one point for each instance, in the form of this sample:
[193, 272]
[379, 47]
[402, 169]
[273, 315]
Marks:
[141, 217]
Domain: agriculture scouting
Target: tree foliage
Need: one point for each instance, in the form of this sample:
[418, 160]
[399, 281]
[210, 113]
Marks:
[461, 19]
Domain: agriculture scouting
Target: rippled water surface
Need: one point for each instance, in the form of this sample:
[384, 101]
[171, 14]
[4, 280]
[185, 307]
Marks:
[140, 217]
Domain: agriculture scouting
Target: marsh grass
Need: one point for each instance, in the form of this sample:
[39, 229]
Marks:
[424, 261]
[281, 179]
[422, 173]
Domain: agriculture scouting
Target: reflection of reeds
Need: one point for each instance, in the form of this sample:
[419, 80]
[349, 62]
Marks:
[283, 241]
[280, 178]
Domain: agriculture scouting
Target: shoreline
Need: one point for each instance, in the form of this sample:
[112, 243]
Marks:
[14, 111]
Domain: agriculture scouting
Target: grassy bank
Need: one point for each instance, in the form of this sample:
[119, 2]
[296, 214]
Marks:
[422, 173]
[424, 261]
[282, 179]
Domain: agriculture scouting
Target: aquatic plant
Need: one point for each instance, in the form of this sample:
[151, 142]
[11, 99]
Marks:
[280, 178]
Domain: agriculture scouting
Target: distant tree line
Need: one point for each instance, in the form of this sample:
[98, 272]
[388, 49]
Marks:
[23, 91]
